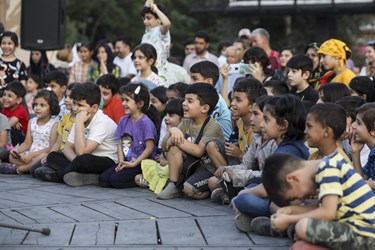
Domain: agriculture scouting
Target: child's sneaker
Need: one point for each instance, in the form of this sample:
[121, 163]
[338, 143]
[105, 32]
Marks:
[243, 222]
[219, 196]
[47, 174]
[8, 168]
[262, 226]
[76, 179]
[169, 192]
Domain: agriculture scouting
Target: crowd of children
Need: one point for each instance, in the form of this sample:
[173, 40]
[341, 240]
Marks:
[292, 154]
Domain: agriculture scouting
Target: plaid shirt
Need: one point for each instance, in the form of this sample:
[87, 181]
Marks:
[80, 72]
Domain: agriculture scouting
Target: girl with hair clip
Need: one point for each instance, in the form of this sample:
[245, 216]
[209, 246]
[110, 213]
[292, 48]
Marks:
[333, 56]
[283, 121]
[40, 136]
[39, 64]
[79, 72]
[137, 136]
[11, 68]
[144, 58]
[259, 64]
[104, 56]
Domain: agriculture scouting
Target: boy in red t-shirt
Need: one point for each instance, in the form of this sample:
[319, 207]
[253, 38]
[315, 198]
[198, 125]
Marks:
[15, 111]
[109, 87]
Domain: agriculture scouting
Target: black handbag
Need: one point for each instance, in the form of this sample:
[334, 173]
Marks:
[191, 162]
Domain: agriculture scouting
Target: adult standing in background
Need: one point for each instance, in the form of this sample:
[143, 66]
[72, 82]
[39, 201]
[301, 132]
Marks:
[201, 44]
[261, 38]
[123, 59]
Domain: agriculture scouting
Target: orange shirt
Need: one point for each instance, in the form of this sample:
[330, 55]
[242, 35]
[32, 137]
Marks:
[114, 109]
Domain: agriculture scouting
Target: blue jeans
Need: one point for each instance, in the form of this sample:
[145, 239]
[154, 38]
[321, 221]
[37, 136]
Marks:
[252, 205]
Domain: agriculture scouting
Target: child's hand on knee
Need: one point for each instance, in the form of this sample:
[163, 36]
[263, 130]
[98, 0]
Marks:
[219, 172]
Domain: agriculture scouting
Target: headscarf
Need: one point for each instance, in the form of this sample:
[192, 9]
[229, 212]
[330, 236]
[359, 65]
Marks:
[336, 48]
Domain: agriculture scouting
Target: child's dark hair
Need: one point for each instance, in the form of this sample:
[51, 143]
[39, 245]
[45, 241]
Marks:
[206, 93]
[123, 81]
[207, 69]
[13, 36]
[86, 44]
[262, 101]
[202, 34]
[50, 98]
[363, 85]
[256, 54]
[278, 87]
[175, 107]
[330, 115]
[87, 91]
[367, 112]
[160, 92]
[276, 167]
[189, 41]
[288, 107]
[350, 104]
[334, 91]
[58, 77]
[17, 88]
[149, 52]
[109, 81]
[36, 79]
[139, 93]
[179, 88]
[302, 62]
[252, 88]
[146, 10]
[289, 48]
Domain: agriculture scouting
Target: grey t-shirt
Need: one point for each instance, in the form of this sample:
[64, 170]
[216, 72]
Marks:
[4, 125]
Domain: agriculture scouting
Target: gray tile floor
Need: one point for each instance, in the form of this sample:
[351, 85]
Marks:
[97, 218]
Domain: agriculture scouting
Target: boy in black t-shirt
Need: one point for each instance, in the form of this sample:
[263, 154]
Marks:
[300, 68]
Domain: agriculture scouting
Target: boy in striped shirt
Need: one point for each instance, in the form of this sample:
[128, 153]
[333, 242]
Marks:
[345, 215]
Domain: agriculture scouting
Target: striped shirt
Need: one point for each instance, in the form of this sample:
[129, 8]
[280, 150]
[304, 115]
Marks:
[356, 204]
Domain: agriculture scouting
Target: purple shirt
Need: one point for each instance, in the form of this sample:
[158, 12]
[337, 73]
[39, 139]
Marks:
[133, 136]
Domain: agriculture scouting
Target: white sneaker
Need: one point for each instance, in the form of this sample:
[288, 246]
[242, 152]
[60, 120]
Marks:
[169, 192]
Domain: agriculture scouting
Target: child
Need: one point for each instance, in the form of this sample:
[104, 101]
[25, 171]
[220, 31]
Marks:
[40, 137]
[332, 92]
[155, 174]
[157, 33]
[104, 56]
[13, 109]
[109, 87]
[45, 169]
[12, 69]
[245, 94]
[137, 138]
[364, 133]
[144, 58]
[363, 87]
[33, 84]
[238, 176]
[344, 217]
[333, 55]
[57, 82]
[284, 122]
[300, 68]
[208, 72]
[4, 137]
[91, 147]
[176, 90]
[79, 72]
[180, 143]
[276, 87]
[158, 98]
